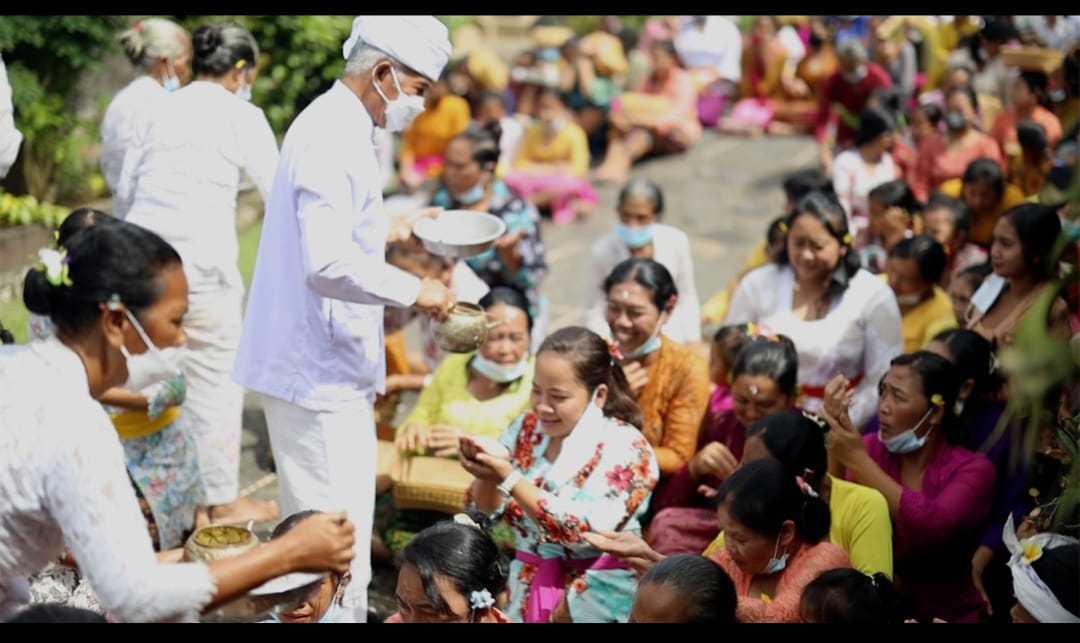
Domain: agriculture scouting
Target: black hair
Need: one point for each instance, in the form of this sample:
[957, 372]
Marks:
[997, 29]
[488, 94]
[118, 259]
[1058, 568]
[933, 113]
[1032, 136]
[669, 47]
[80, 219]
[975, 274]
[798, 184]
[966, 90]
[1071, 69]
[56, 613]
[796, 439]
[594, 365]
[646, 189]
[957, 209]
[985, 170]
[776, 230]
[927, 253]
[218, 48]
[973, 357]
[847, 595]
[511, 297]
[873, 122]
[896, 194]
[546, 90]
[773, 357]
[286, 525]
[826, 208]
[703, 585]
[762, 495]
[731, 338]
[650, 275]
[1036, 82]
[484, 139]
[465, 555]
[1038, 227]
[937, 376]
[5, 336]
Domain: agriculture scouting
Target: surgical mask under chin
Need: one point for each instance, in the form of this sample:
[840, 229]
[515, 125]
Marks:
[637, 237]
[909, 300]
[401, 111]
[592, 411]
[776, 564]
[907, 441]
[500, 373]
[650, 345]
[472, 195]
[172, 81]
[243, 92]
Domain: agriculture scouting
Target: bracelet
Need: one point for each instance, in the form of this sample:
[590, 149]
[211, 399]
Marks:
[509, 482]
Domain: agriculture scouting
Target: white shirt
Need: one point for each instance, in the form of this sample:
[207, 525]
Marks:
[64, 485]
[853, 179]
[513, 132]
[859, 336]
[130, 109]
[10, 137]
[1064, 34]
[313, 329]
[671, 248]
[182, 176]
[717, 45]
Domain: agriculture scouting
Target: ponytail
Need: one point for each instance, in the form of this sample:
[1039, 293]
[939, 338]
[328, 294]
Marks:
[620, 402]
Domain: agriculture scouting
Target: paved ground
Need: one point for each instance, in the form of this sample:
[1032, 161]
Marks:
[722, 193]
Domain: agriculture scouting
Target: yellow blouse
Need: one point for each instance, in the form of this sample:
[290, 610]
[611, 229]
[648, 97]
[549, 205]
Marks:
[570, 145]
[447, 400]
[432, 130]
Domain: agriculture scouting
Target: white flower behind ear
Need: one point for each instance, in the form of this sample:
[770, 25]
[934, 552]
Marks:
[54, 265]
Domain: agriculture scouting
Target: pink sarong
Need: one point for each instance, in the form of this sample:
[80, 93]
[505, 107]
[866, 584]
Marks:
[565, 188]
[547, 588]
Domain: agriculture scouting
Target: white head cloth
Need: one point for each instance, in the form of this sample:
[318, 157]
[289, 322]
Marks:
[1030, 590]
[421, 43]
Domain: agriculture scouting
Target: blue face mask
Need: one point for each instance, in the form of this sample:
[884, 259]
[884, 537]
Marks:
[172, 81]
[500, 373]
[472, 195]
[651, 345]
[634, 237]
[548, 54]
[907, 441]
[776, 564]
[243, 92]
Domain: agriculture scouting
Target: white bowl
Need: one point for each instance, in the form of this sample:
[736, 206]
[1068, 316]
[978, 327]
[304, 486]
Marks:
[459, 233]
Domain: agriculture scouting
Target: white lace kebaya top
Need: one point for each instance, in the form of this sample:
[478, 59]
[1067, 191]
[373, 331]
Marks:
[63, 485]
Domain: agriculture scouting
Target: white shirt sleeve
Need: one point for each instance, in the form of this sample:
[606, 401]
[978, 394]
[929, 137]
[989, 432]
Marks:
[260, 148]
[89, 495]
[10, 137]
[743, 307]
[883, 340]
[335, 265]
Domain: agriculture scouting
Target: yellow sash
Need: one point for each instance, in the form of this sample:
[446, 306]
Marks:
[137, 424]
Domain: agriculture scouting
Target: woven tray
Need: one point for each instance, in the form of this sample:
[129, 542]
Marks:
[431, 484]
[1033, 58]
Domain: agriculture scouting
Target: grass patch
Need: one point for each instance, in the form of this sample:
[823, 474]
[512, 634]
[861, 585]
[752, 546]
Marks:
[15, 316]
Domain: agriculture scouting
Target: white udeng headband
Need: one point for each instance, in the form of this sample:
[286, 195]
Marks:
[1030, 590]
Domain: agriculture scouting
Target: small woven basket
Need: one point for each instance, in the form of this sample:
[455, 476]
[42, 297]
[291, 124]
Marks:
[431, 484]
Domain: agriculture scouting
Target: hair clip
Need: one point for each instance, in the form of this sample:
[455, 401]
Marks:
[816, 419]
[481, 599]
[783, 226]
[613, 351]
[53, 262]
[805, 487]
[137, 26]
[240, 63]
[464, 519]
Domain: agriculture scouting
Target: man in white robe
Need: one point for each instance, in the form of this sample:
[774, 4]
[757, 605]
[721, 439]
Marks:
[312, 342]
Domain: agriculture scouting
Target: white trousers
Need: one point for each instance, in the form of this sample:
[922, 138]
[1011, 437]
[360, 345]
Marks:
[214, 407]
[326, 460]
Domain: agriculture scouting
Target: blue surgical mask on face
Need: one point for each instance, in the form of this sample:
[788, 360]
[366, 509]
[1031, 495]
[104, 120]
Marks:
[472, 195]
[243, 92]
[172, 81]
[500, 373]
[776, 564]
[907, 441]
[635, 238]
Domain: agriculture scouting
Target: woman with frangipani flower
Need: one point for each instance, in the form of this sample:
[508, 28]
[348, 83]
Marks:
[937, 490]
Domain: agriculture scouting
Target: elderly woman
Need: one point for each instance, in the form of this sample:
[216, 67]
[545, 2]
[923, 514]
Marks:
[670, 381]
[182, 178]
[477, 393]
[161, 51]
[639, 234]
[839, 315]
[659, 117]
[469, 183]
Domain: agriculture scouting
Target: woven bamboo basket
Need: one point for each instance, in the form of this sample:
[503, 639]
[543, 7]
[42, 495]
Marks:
[431, 484]
[1033, 58]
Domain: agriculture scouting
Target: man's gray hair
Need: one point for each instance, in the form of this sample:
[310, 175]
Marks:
[852, 48]
[364, 57]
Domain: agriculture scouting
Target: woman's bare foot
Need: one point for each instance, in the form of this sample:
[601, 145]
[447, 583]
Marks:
[242, 510]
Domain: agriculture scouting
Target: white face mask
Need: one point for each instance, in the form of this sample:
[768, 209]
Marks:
[500, 373]
[243, 92]
[170, 363]
[908, 300]
[401, 111]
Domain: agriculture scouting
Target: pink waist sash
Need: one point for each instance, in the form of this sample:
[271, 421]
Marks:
[547, 589]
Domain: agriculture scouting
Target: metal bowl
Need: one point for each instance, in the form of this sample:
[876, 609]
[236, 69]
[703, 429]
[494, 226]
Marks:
[459, 233]
[278, 595]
